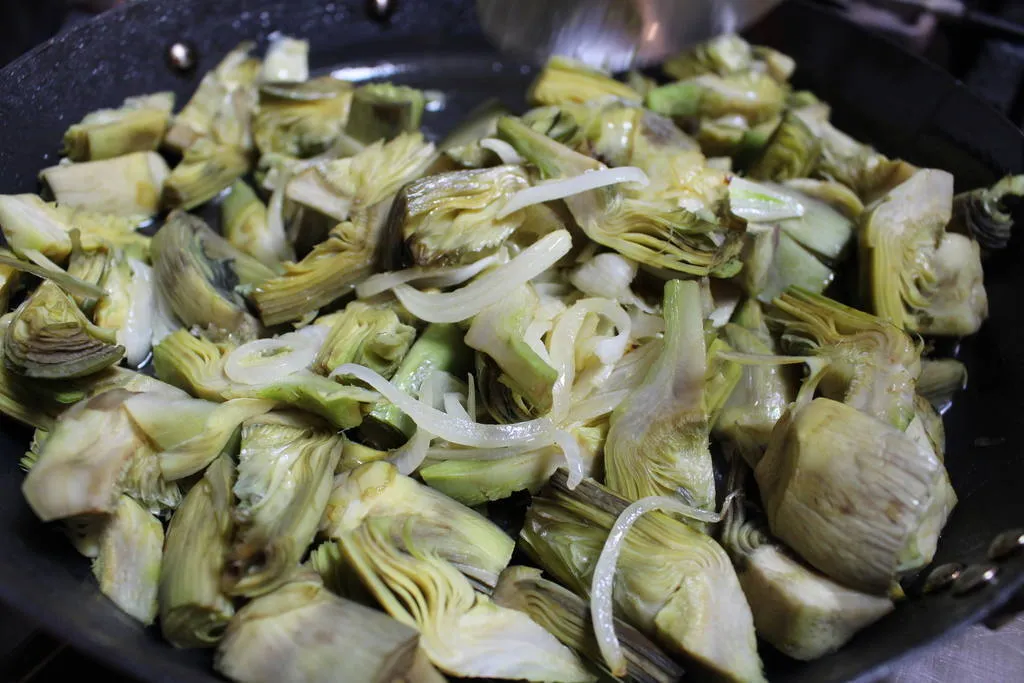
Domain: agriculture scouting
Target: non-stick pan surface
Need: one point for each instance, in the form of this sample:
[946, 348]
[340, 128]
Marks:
[878, 92]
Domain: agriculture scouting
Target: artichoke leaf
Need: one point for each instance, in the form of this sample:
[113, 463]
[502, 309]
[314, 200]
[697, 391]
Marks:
[127, 566]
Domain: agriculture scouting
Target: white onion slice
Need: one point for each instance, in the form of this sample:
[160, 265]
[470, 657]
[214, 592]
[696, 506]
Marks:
[567, 187]
[137, 333]
[604, 572]
[408, 457]
[506, 152]
[433, 277]
[491, 287]
[536, 432]
[266, 360]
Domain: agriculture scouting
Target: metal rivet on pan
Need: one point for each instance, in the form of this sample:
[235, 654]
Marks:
[1006, 544]
[381, 9]
[942, 577]
[181, 56]
[974, 577]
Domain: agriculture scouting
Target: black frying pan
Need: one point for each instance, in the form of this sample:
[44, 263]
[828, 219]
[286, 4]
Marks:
[879, 93]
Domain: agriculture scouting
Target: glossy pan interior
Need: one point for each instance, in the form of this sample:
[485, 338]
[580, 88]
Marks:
[878, 92]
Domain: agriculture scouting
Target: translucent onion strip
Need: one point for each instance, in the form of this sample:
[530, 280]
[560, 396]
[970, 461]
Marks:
[604, 571]
[491, 287]
[266, 360]
[506, 152]
[137, 334]
[433, 277]
[585, 182]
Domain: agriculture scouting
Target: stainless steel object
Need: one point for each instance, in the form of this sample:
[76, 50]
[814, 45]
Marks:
[612, 34]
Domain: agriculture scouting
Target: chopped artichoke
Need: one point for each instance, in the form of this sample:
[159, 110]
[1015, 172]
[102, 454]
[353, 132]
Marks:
[763, 392]
[428, 520]
[246, 226]
[983, 214]
[858, 499]
[286, 61]
[474, 482]
[871, 364]
[454, 218]
[940, 379]
[197, 365]
[778, 65]
[302, 633]
[372, 336]
[819, 228]
[753, 95]
[462, 145]
[674, 584]
[128, 185]
[774, 262]
[206, 170]
[355, 454]
[10, 280]
[35, 228]
[567, 616]
[679, 100]
[383, 110]
[138, 126]
[304, 126]
[791, 152]
[659, 234]
[439, 347]
[462, 632]
[50, 338]
[193, 610]
[658, 440]
[723, 55]
[720, 380]
[802, 613]
[128, 564]
[88, 266]
[190, 432]
[285, 467]
[835, 194]
[566, 80]
[222, 105]
[127, 306]
[201, 272]
[914, 273]
[522, 388]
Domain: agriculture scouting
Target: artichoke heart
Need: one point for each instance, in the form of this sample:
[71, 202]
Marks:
[521, 389]
[372, 336]
[791, 152]
[201, 272]
[50, 338]
[658, 439]
[221, 107]
[858, 499]
[870, 364]
[723, 55]
[567, 616]
[983, 213]
[138, 126]
[193, 610]
[429, 520]
[564, 80]
[206, 170]
[462, 632]
[127, 565]
[304, 120]
[453, 218]
[673, 583]
[198, 366]
[914, 273]
[656, 233]
[802, 613]
[247, 226]
[462, 145]
[302, 633]
[384, 110]
[128, 185]
[285, 466]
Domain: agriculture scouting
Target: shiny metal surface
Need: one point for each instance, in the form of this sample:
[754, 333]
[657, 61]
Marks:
[613, 34]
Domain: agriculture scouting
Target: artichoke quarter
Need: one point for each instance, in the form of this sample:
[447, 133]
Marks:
[857, 498]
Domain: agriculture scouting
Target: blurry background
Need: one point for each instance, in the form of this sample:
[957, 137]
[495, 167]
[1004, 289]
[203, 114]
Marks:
[981, 42]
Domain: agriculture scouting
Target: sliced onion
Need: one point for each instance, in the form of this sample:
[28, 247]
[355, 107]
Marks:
[567, 187]
[506, 152]
[267, 360]
[597, 406]
[471, 396]
[537, 432]
[432, 277]
[408, 457]
[573, 460]
[488, 289]
[604, 572]
[136, 334]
